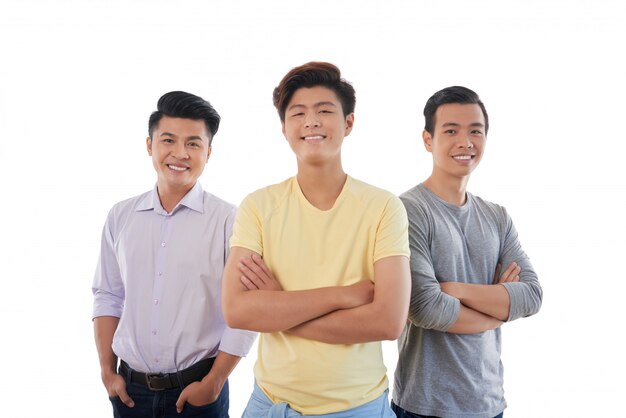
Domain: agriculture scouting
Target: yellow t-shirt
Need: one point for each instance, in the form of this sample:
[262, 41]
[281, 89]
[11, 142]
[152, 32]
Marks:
[307, 248]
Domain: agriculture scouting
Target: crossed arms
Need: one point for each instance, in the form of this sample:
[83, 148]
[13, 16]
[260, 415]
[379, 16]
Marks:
[252, 299]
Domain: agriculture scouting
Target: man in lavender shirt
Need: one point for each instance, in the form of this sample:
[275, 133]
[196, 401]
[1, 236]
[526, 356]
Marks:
[157, 287]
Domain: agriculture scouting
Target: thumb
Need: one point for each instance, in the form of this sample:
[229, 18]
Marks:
[180, 403]
[125, 398]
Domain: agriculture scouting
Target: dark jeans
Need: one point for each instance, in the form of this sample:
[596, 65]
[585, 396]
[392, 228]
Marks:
[162, 404]
[401, 413]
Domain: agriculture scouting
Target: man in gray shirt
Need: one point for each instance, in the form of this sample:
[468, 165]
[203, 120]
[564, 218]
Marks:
[469, 275]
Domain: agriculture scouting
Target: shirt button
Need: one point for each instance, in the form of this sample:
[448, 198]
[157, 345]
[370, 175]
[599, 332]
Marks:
[163, 244]
[156, 301]
[160, 273]
[154, 332]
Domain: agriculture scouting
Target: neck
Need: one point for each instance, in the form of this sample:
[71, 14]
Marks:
[321, 185]
[171, 196]
[448, 188]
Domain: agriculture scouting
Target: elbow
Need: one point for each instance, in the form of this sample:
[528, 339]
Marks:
[393, 332]
[233, 316]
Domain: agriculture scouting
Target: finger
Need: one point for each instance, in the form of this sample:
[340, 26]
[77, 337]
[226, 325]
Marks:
[514, 274]
[123, 395]
[508, 272]
[248, 283]
[180, 402]
[251, 275]
[255, 263]
[259, 262]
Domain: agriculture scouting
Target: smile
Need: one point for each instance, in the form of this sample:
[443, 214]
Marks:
[314, 137]
[463, 157]
[177, 168]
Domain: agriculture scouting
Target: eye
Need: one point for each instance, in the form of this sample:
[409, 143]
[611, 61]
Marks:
[293, 115]
[194, 145]
[168, 140]
[450, 131]
[476, 132]
[326, 111]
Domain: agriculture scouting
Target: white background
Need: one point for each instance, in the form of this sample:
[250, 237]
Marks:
[78, 80]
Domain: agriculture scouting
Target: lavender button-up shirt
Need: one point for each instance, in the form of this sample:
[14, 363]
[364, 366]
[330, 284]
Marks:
[161, 274]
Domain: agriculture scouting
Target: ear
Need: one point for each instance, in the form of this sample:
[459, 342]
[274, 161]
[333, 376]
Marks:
[349, 123]
[282, 124]
[149, 145]
[428, 140]
[208, 154]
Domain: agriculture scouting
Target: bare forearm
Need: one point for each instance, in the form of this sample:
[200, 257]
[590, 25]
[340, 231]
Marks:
[222, 368]
[273, 311]
[470, 321]
[382, 319]
[104, 328]
[351, 326]
[489, 299]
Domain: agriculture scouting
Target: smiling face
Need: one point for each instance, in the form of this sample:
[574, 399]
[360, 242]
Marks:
[315, 125]
[458, 140]
[179, 149]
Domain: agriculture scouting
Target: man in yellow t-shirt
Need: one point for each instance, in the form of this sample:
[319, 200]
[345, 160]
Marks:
[318, 265]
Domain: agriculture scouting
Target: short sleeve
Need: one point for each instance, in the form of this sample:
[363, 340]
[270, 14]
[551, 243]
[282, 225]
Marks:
[248, 228]
[392, 237]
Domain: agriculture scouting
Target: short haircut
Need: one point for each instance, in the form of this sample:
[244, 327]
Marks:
[454, 94]
[179, 104]
[313, 74]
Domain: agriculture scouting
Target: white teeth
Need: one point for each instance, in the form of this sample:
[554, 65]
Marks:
[173, 167]
[314, 137]
[462, 157]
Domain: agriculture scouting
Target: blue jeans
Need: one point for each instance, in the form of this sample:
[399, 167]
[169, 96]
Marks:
[162, 404]
[260, 406]
[401, 413]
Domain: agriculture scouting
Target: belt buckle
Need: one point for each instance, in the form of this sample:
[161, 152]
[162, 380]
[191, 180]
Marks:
[149, 377]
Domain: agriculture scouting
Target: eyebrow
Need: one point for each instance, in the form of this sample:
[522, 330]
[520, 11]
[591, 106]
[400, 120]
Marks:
[189, 138]
[454, 124]
[315, 105]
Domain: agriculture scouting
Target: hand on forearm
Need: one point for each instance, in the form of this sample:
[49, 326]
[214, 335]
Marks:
[492, 300]
[470, 321]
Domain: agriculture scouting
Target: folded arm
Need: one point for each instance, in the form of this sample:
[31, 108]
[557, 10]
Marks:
[278, 310]
[382, 319]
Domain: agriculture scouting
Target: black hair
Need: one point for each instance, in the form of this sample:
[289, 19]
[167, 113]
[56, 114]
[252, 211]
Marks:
[454, 94]
[179, 104]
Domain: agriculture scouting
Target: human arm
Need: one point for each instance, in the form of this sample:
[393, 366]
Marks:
[430, 306]
[489, 299]
[104, 328]
[209, 388]
[278, 310]
[526, 294]
[382, 319]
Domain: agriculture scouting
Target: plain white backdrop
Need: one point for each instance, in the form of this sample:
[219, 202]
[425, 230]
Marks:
[78, 80]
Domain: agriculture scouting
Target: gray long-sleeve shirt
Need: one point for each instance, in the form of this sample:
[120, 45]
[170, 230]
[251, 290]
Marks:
[445, 374]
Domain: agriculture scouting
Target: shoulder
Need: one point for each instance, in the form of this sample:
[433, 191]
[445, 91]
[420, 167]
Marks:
[371, 196]
[269, 197]
[217, 204]
[494, 210]
[130, 205]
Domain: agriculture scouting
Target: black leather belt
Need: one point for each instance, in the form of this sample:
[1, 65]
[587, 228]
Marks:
[163, 381]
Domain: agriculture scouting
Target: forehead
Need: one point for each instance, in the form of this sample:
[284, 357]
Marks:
[310, 96]
[182, 127]
[457, 113]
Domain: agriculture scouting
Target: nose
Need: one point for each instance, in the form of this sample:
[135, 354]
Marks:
[311, 120]
[180, 151]
[465, 141]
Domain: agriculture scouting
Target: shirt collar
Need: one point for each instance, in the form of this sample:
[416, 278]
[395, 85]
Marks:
[194, 200]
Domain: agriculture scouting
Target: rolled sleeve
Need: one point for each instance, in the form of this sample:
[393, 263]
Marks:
[108, 286]
[526, 295]
[237, 342]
